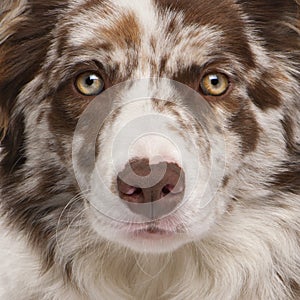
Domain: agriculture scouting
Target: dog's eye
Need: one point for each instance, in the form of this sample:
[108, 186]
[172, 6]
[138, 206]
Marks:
[214, 84]
[89, 84]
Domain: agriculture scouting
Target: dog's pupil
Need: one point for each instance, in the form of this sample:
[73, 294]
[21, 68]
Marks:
[215, 81]
[89, 81]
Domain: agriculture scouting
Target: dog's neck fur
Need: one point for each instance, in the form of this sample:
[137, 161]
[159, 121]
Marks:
[234, 262]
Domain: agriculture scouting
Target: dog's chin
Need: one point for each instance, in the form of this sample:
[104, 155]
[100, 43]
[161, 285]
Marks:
[153, 243]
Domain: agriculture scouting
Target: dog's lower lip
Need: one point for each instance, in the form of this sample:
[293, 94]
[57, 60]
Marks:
[152, 232]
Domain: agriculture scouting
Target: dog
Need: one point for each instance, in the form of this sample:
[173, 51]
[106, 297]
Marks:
[149, 149]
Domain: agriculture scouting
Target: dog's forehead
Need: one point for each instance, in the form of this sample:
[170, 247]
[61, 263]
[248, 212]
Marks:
[155, 31]
[134, 21]
[215, 12]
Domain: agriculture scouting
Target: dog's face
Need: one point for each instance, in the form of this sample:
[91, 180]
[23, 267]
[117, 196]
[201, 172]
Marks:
[146, 123]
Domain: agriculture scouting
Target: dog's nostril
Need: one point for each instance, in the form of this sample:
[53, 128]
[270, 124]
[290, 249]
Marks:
[141, 183]
[167, 189]
[172, 189]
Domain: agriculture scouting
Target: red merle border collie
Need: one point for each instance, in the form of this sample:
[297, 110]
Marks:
[149, 149]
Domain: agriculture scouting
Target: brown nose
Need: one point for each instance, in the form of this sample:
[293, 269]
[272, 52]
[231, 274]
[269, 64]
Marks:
[141, 185]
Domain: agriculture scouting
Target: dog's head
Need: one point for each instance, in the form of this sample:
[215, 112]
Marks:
[146, 123]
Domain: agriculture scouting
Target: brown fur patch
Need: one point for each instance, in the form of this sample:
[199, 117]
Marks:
[245, 125]
[295, 287]
[289, 180]
[289, 136]
[263, 94]
[277, 22]
[125, 32]
[225, 181]
[3, 123]
[189, 76]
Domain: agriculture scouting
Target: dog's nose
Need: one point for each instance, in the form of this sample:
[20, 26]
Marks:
[141, 185]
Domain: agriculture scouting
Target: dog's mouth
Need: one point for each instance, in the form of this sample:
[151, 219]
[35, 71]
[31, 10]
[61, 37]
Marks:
[153, 231]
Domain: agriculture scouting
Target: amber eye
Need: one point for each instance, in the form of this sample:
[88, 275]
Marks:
[214, 84]
[89, 84]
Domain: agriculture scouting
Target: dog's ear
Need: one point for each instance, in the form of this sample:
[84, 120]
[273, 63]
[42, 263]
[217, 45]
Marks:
[25, 26]
[273, 14]
[11, 13]
[277, 23]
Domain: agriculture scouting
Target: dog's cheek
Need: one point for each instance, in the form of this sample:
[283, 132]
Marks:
[66, 107]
